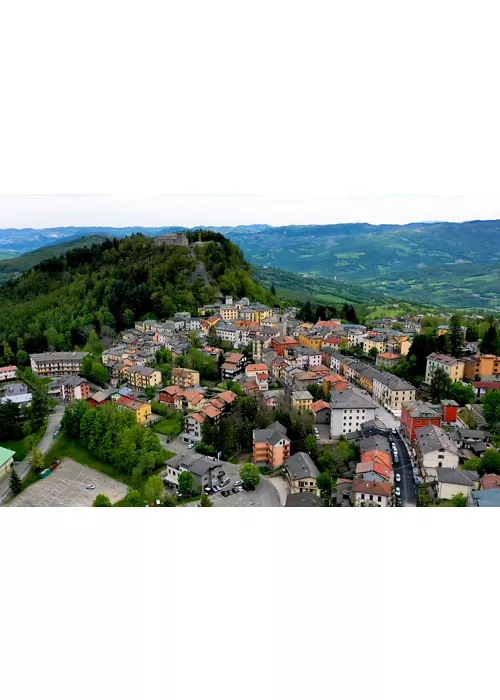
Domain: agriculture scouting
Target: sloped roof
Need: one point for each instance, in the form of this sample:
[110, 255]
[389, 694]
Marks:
[374, 488]
[301, 466]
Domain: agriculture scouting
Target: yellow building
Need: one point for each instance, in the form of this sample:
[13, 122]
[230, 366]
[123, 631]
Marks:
[141, 410]
[228, 313]
[482, 368]
[142, 377]
[302, 400]
[185, 378]
[453, 367]
[261, 312]
[376, 341]
[310, 340]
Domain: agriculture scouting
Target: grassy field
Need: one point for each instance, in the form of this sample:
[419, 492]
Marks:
[20, 447]
[169, 426]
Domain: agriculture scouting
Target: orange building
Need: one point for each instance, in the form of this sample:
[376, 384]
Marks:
[482, 368]
[271, 446]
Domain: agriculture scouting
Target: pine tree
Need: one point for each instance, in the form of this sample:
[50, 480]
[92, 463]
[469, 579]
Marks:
[489, 344]
[456, 336]
[15, 482]
[273, 289]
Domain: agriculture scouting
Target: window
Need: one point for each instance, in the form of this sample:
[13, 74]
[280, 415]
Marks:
[311, 483]
[440, 464]
[379, 499]
[362, 496]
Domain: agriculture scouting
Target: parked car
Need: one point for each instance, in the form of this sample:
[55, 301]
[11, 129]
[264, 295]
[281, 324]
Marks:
[90, 487]
[225, 493]
[238, 483]
[215, 488]
[221, 474]
[239, 488]
[399, 502]
[191, 445]
[225, 482]
[398, 491]
[396, 458]
[235, 489]
[316, 431]
[394, 431]
[398, 477]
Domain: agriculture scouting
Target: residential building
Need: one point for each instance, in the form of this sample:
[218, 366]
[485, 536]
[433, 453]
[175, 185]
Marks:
[16, 392]
[442, 330]
[387, 359]
[489, 481]
[189, 400]
[482, 387]
[185, 378]
[303, 500]
[374, 470]
[453, 481]
[482, 368]
[192, 427]
[168, 394]
[274, 399]
[453, 367]
[6, 460]
[371, 493]
[143, 377]
[349, 409]
[376, 341]
[335, 381]
[8, 372]
[253, 370]
[234, 364]
[237, 335]
[100, 397]
[435, 448]
[261, 337]
[321, 411]
[203, 470]
[417, 414]
[228, 313]
[302, 400]
[301, 473]
[271, 446]
[283, 345]
[47, 364]
[310, 340]
[373, 447]
[141, 410]
[74, 388]
[390, 391]
[307, 358]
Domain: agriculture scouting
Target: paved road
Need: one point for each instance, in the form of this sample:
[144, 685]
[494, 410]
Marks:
[23, 468]
[405, 469]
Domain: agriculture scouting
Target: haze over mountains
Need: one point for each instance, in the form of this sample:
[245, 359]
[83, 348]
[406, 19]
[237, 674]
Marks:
[435, 262]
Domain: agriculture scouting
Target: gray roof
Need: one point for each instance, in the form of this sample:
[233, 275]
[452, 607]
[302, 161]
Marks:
[145, 371]
[273, 434]
[301, 500]
[301, 466]
[351, 398]
[430, 438]
[418, 409]
[301, 395]
[461, 477]
[74, 381]
[46, 356]
[306, 351]
[375, 442]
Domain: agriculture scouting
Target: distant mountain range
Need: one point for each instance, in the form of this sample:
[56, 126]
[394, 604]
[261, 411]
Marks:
[440, 262]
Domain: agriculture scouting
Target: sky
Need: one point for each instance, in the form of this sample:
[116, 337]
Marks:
[45, 211]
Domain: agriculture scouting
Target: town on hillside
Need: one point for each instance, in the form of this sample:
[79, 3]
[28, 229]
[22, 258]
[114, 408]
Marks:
[246, 405]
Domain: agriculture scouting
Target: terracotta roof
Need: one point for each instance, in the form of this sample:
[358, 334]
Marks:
[378, 457]
[330, 324]
[389, 355]
[443, 359]
[191, 395]
[262, 377]
[9, 368]
[227, 396]
[130, 403]
[250, 385]
[490, 481]
[319, 405]
[172, 390]
[210, 411]
[374, 488]
[333, 341]
[258, 367]
[234, 357]
[200, 417]
[486, 385]
[377, 466]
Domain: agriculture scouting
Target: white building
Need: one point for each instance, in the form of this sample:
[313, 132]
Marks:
[348, 409]
[8, 372]
[390, 391]
[435, 449]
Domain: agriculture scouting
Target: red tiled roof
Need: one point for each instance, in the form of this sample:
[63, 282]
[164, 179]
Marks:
[9, 368]
[210, 411]
[377, 466]
[258, 367]
[227, 396]
[490, 481]
[250, 385]
[262, 377]
[329, 324]
[374, 488]
[487, 385]
[377, 456]
[333, 341]
[389, 356]
[171, 390]
[200, 417]
[319, 405]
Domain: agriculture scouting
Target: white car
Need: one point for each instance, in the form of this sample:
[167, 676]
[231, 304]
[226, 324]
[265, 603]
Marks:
[90, 487]
[316, 431]
[398, 477]
[191, 445]
[398, 491]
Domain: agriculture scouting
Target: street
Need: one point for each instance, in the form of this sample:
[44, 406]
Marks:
[405, 469]
[23, 468]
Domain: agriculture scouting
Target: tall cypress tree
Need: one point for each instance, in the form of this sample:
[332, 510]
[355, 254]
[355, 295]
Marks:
[456, 336]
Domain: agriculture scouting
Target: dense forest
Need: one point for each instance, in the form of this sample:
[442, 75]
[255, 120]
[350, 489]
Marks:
[56, 304]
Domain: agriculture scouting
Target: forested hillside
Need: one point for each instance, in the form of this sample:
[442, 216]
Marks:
[105, 287]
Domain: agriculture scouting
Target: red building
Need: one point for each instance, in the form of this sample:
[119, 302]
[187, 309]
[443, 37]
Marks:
[416, 414]
[283, 345]
[168, 394]
[450, 411]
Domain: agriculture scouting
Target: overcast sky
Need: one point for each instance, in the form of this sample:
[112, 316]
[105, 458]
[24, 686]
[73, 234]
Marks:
[43, 211]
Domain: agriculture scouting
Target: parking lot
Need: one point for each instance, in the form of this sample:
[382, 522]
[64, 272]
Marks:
[66, 487]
